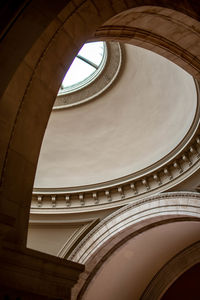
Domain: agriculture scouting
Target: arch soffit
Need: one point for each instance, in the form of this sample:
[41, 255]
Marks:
[41, 72]
[111, 233]
[171, 271]
[175, 267]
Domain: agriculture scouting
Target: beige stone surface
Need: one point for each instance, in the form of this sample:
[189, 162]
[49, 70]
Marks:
[50, 238]
[128, 271]
[25, 270]
[170, 272]
[55, 233]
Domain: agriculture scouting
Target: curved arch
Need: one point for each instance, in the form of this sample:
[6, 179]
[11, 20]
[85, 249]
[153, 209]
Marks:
[166, 204]
[127, 223]
[162, 30]
[40, 64]
[171, 271]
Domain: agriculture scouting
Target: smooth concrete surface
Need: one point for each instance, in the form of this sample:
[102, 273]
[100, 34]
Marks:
[141, 119]
[127, 272]
[49, 238]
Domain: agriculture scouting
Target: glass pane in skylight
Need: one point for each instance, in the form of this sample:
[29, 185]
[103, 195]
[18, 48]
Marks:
[93, 52]
[86, 63]
[78, 72]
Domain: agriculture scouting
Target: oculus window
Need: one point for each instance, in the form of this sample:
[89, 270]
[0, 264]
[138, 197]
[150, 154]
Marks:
[86, 66]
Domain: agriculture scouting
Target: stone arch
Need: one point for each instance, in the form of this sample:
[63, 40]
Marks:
[47, 37]
[127, 223]
[173, 269]
[173, 38]
[166, 204]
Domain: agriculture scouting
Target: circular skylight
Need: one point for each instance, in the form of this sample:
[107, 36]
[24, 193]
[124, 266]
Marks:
[93, 70]
[85, 68]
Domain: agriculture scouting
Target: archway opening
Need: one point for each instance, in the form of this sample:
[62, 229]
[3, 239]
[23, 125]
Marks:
[186, 286]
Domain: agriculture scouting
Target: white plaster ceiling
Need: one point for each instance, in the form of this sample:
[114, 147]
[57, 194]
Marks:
[139, 120]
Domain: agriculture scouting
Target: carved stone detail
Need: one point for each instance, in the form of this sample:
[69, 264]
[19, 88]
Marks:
[133, 187]
[107, 193]
[146, 184]
[168, 173]
[81, 198]
[95, 197]
[178, 166]
[68, 201]
[156, 177]
[194, 150]
[186, 159]
[121, 192]
[53, 201]
[39, 201]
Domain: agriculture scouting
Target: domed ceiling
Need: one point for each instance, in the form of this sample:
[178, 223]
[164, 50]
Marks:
[141, 121]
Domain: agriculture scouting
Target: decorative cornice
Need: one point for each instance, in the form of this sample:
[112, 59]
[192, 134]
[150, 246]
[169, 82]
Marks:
[110, 195]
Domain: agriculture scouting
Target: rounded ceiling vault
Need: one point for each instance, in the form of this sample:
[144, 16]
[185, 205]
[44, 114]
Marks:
[140, 120]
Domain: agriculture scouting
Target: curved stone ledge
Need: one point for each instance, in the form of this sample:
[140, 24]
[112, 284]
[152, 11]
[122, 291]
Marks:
[171, 204]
